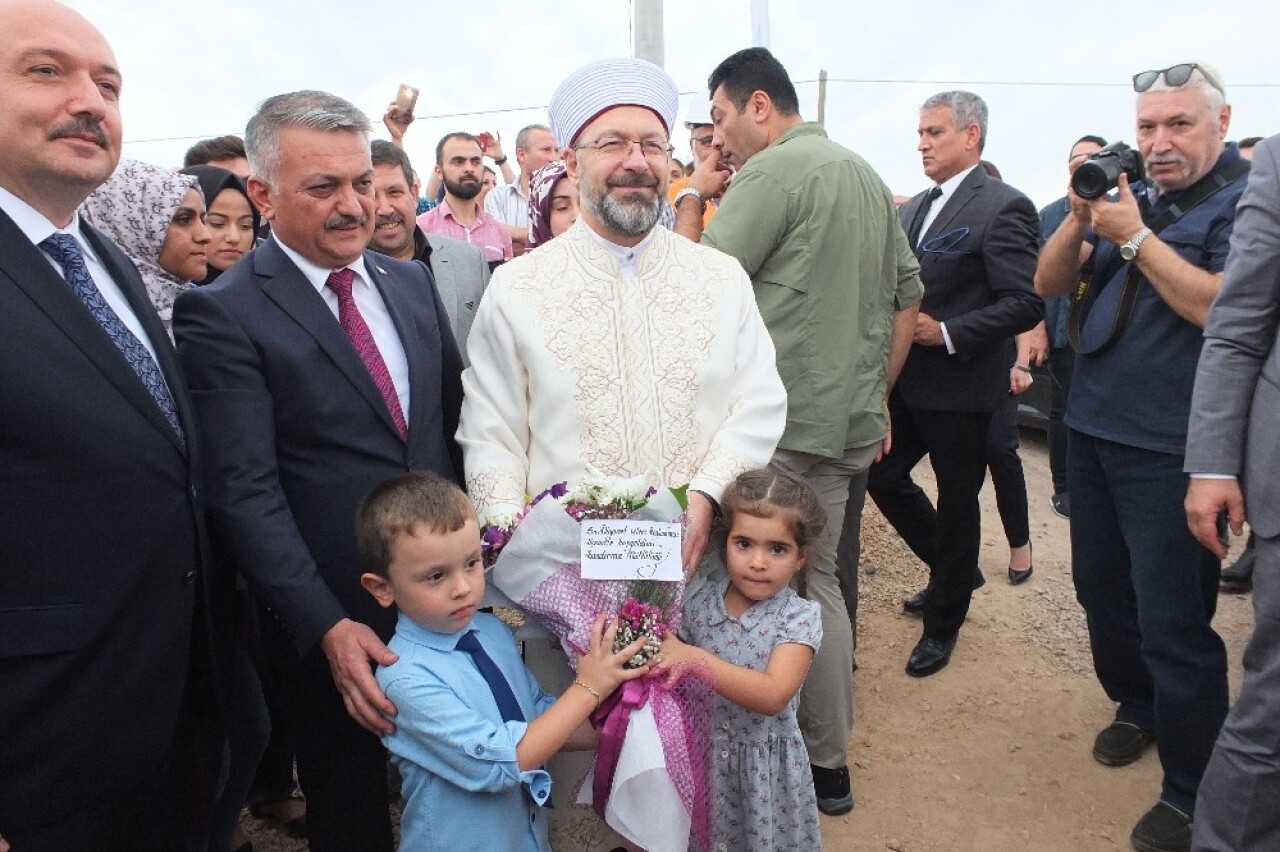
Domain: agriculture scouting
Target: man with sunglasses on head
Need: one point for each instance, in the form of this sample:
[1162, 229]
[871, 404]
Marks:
[1153, 259]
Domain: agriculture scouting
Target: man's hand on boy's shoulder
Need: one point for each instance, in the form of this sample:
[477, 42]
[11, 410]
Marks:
[353, 650]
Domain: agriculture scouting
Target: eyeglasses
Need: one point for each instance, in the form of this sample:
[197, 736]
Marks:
[1174, 75]
[612, 146]
[703, 140]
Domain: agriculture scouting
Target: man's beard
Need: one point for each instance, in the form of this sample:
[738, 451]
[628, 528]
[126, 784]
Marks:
[466, 189]
[632, 215]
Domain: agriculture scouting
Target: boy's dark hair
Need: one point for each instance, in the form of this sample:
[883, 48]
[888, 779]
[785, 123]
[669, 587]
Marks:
[219, 148]
[1089, 137]
[755, 70]
[384, 153]
[771, 491]
[445, 138]
[398, 505]
[1249, 141]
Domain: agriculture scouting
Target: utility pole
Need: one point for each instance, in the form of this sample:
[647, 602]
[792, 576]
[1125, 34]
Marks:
[822, 97]
[648, 30]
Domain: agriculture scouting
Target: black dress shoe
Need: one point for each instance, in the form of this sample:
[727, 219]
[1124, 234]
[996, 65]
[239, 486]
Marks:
[1017, 576]
[930, 656]
[914, 605]
[1237, 578]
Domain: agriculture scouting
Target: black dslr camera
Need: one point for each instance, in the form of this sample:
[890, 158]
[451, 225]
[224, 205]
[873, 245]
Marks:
[1099, 174]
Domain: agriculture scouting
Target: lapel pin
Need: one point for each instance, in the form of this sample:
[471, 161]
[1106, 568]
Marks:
[380, 269]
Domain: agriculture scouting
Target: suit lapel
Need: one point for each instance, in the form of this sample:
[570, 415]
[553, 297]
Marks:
[135, 292]
[442, 270]
[402, 318]
[961, 198]
[31, 271]
[285, 285]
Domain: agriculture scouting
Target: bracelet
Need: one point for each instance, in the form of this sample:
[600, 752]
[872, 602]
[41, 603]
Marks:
[1023, 367]
[589, 688]
[500, 161]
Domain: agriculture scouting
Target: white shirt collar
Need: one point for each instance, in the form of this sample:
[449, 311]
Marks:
[949, 186]
[38, 228]
[626, 255]
[319, 275]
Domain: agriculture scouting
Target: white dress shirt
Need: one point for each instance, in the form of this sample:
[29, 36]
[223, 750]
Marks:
[948, 188]
[369, 302]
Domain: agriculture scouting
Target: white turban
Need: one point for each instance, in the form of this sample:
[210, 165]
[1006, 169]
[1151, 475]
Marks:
[609, 83]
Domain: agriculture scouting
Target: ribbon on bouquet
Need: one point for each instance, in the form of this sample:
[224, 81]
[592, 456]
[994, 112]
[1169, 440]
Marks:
[611, 719]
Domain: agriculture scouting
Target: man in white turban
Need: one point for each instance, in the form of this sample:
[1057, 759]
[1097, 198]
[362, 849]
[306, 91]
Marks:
[617, 346]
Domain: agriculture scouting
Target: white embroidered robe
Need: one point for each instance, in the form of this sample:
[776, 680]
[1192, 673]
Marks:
[669, 373]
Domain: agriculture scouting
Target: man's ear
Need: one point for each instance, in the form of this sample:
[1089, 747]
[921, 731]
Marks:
[761, 106]
[1224, 120]
[260, 195]
[570, 157]
[378, 587]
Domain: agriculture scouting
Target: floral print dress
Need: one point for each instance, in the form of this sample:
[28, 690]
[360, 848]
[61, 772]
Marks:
[762, 787]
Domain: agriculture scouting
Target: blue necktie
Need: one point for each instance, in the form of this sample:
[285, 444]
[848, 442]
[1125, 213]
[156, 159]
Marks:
[507, 704]
[63, 249]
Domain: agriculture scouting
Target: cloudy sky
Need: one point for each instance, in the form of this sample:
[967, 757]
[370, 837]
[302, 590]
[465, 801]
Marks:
[1050, 72]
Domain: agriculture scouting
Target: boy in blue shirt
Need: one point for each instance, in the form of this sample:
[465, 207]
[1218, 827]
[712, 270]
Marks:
[473, 727]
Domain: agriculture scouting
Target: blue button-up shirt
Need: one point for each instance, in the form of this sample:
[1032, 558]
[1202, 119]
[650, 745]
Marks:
[462, 787]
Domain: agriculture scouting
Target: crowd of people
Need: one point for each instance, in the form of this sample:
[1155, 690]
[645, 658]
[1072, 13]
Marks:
[258, 408]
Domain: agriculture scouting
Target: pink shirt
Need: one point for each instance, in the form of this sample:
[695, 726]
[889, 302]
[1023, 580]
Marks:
[488, 234]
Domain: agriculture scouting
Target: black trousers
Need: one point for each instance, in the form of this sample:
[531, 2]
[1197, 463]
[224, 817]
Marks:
[342, 768]
[1006, 473]
[945, 538]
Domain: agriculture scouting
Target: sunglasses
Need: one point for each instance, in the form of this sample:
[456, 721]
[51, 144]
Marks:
[1174, 75]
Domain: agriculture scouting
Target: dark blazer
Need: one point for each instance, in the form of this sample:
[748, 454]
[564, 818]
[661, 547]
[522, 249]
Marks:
[102, 545]
[977, 262]
[297, 434]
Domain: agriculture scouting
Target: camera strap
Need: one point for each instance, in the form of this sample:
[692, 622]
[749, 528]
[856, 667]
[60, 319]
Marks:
[1198, 192]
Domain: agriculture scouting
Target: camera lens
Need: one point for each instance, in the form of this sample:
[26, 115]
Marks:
[1092, 180]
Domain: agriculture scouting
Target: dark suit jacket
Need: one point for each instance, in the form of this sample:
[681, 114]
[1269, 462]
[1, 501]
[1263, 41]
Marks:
[977, 262]
[102, 545]
[296, 432]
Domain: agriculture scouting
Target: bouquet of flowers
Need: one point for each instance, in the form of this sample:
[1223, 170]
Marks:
[653, 738]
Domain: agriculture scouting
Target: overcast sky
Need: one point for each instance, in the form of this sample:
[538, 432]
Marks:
[1050, 72]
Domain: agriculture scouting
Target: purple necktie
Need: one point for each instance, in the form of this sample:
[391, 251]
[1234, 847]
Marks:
[362, 339]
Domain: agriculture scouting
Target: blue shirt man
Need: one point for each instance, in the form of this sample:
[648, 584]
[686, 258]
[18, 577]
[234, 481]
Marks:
[1148, 588]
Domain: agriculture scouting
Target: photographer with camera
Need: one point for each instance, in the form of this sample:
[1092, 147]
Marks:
[1151, 261]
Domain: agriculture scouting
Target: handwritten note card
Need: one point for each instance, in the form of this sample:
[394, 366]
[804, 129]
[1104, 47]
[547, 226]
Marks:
[631, 550]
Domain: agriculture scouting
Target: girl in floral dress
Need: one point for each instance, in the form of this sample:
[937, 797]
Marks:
[755, 637]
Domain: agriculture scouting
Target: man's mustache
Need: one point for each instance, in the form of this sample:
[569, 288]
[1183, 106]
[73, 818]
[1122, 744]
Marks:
[634, 179]
[344, 221]
[81, 125]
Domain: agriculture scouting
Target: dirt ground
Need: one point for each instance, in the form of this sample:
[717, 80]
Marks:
[993, 753]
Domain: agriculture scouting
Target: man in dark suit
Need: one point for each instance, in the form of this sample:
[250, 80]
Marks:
[318, 370]
[1232, 437]
[976, 239]
[101, 535]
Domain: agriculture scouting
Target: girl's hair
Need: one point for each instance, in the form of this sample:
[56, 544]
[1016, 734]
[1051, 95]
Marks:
[771, 491]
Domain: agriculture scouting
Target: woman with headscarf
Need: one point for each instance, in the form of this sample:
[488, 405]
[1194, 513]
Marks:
[232, 219]
[156, 216]
[553, 202]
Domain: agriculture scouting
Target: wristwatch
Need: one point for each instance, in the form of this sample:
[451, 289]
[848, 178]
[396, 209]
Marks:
[685, 193]
[1129, 250]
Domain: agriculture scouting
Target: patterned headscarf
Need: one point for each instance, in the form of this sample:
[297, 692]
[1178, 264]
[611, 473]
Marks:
[541, 183]
[133, 209]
